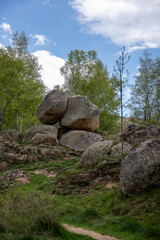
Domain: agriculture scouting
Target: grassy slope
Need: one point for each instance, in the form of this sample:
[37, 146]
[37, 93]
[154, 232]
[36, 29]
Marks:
[94, 207]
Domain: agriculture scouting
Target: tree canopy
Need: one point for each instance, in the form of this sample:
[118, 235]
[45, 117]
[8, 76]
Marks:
[21, 88]
[145, 102]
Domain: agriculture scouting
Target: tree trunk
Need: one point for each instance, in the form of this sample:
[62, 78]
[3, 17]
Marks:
[21, 125]
[121, 125]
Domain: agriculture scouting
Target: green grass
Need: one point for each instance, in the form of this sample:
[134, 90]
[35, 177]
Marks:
[30, 216]
[25, 208]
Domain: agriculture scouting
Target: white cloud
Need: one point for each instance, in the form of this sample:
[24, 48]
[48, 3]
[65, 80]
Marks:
[133, 23]
[46, 2]
[41, 39]
[4, 36]
[128, 93]
[6, 27]
[2, 46]
[51, 65]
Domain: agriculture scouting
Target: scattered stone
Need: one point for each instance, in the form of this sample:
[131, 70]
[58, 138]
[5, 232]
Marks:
[140, 170]
[45, 173]
[3, 165]
[28, 149]
[52, 108]
[117, 149]
[80, 114]
[41, 133]
[95, 153]
[79, 140]
[14, 157]
[22, 180]
[33, 158]
[14, 174]
[41, 171]
[51, 174]
[111, 184]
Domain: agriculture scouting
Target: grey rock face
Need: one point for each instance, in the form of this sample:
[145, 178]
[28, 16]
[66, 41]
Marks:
[80, 114]
[45, 134]
[95, 152]
[79, 140]
[137, 134]
[116, 150]
[141, 168]
[52, 108]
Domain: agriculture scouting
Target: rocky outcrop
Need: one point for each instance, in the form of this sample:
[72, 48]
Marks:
[41, 133]
[16, 175]
[10, 135]
[80, 114]
[1, 148]
[117, 149]
[52, 108]
[14, 157]
[135, 134]
[140, 170]
[15, 153]
[79, 140]
[95, 153]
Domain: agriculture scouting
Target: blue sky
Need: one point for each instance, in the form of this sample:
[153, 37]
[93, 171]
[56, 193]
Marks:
[57, 26]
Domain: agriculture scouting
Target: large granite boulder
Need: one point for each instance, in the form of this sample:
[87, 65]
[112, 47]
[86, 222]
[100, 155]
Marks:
[140, 170]
[79, 140]
[117, 149]
[80, 114]
[52, 108]
[41, 133]
[95, 153]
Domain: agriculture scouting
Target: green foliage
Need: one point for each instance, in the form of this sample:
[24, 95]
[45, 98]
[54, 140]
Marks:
[32, 217]
[86, 75]
[145, 102]
[21, 88]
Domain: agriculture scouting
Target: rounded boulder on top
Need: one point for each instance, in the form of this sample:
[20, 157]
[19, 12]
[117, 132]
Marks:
[52, 107]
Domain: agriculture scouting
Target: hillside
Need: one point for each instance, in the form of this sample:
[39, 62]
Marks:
[56, 189]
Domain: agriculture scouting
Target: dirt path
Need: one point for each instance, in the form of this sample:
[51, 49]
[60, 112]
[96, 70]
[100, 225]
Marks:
[92, 234]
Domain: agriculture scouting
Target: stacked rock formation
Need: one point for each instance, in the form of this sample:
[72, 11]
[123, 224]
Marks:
[77, 116]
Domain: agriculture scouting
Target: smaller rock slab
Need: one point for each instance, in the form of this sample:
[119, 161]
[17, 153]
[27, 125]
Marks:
[117, 149]
[95, 152]
[41, 133]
